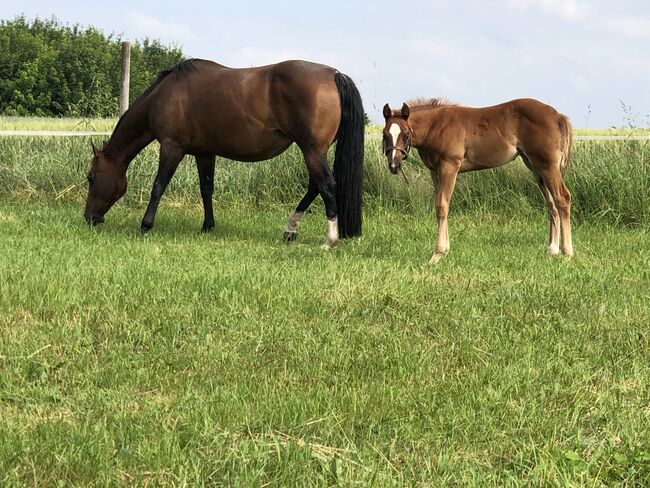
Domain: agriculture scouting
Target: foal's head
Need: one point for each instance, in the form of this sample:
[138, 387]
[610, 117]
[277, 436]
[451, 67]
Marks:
[106, 185]
[397, 136]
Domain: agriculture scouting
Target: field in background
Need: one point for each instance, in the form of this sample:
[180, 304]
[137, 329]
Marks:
[107, 125]
[233, 358]
[58, 124]
[609, 180]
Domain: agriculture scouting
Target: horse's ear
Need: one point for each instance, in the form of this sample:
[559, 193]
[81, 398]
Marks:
[406, 111]
[387, 112]
[95, 150]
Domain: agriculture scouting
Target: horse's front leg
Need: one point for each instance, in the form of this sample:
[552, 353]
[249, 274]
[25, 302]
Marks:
[205, 168]
[445, 180]
[170, 155]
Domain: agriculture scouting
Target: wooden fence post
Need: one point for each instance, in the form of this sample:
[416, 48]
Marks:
[126, 75]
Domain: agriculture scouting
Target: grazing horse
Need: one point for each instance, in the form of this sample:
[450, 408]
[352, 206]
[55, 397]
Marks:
[452, 139]
[205, 109]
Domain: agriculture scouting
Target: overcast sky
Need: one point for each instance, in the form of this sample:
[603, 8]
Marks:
[585, 57]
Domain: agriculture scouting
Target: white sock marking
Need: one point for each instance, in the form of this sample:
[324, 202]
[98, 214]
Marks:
[332, 231]
[293, 222]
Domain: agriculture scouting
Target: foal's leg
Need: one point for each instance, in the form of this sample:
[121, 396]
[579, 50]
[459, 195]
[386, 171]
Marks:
[205, 167]
[170, 156]
[320, 174]
[562, 198]
[446, 180]
[554, 216]
[293, 221]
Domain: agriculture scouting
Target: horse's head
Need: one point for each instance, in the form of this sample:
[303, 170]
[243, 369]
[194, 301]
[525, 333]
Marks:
[106, 185]
[397, 136]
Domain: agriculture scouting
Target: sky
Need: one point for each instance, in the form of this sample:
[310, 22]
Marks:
[590, 59]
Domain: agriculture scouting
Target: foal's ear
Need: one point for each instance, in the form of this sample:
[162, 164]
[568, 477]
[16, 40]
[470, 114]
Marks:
[387, 112]
[95, 150]
[406, 111]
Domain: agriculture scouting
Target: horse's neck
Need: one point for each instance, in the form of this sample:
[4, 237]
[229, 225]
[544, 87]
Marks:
[422, 122]
[131, 135]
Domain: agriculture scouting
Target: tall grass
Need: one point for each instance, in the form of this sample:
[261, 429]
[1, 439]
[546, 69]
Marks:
[58, 123]
[609, 180]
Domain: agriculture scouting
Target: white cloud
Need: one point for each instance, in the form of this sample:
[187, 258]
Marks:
[153, 27]
[566, 9]
[631, 26]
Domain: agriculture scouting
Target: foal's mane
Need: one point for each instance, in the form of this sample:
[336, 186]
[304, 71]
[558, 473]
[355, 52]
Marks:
[430, 103]
[185, 66]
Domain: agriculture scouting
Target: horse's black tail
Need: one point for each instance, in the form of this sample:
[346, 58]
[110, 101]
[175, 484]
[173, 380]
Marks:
[348, 159]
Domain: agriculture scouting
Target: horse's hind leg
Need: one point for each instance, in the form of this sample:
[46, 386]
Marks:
[205, 168]
[562, 198]
[549, 170]
[322, 178]
[170, 156]
[293, 221]
[554, 216]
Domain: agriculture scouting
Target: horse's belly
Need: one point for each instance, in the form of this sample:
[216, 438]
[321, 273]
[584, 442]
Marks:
[244, 147]
[488, 157]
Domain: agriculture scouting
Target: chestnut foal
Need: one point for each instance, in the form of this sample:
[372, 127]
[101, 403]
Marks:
[452, 139]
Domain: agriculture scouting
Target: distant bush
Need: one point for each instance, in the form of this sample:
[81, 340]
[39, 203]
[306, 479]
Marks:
[51, 69]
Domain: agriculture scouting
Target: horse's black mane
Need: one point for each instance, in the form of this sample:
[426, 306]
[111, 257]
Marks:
[185, 66]
[430, 102]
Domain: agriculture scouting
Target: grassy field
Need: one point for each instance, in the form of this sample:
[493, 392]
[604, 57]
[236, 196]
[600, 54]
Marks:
[236, 359]
[62, 123]
[107, 124]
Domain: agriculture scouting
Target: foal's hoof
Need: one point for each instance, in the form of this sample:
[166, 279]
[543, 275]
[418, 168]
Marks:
[436, 258]
[552, 252]
[290, 235]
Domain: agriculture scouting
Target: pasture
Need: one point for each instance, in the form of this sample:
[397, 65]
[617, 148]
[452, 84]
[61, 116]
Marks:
[233, 358]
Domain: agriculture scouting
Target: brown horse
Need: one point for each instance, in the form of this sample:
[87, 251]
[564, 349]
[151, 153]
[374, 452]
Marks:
[207, 110]
[452, 139]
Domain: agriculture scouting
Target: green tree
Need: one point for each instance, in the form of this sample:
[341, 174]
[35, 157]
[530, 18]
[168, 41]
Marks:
[51, 69]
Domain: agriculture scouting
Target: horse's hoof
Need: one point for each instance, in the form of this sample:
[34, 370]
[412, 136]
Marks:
[144, 229]
[436, 258]
[206, 228]
[290, 235]
[552, 252]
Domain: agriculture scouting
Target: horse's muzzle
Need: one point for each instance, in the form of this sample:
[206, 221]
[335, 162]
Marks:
[94, 219]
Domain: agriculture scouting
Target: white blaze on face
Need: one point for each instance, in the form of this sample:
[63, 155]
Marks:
[394, 131]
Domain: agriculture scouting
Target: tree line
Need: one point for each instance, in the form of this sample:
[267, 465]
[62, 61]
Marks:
[52, 69]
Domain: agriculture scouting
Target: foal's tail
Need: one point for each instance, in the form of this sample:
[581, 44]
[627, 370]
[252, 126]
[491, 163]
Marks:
[567, 139]
[348, 159]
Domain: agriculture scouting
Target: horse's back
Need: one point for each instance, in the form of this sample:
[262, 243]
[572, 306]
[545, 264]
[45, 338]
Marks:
[246, 113]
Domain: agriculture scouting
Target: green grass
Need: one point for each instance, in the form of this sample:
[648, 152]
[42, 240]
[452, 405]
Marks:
[107, 124]
[609, 181]
[62, 123]
[233, 358]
